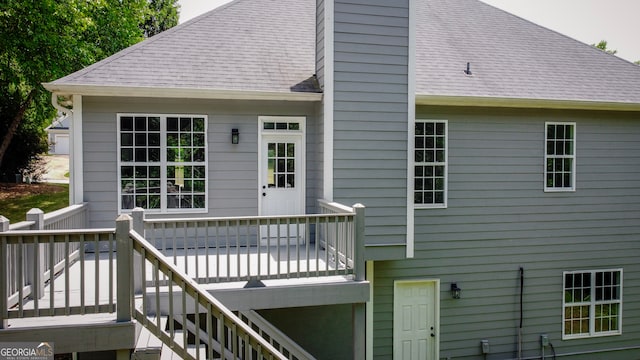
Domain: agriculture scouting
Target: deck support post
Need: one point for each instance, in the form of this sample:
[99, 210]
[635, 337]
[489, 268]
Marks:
[4, 227]
[35, 257]
[124, 250]
[359, 319]
[359, 265]
[138, 215]
[138, 220]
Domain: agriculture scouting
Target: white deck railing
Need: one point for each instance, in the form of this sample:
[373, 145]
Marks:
[40, 262]
[84, 283]
[258, 247]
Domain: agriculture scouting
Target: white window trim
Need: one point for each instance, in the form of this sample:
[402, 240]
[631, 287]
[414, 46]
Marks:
[592, 333]
[446, 167]
[574, 157]
[163, 164]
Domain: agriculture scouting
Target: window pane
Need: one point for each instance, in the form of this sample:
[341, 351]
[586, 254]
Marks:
[185, 124]
[172, 124]
[172, 139]
[126, 139]
[568, 147]
[141, 155]
[141, 139]
[198, 140]
[430, 142]
[140, 123]
[185, 139]
[429, 156]
[551, 132]
[198, 125]
[418, 184]
[154, 139]
[126, 123]
[154, 124]
[154, 155]
[198, 155]
[126, 155]
[429, 128]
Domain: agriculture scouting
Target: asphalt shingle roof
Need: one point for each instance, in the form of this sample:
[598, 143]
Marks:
[265, 45]
[512, 58]
[269, 45]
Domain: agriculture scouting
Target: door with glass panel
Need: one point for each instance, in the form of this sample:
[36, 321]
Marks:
[281, 182]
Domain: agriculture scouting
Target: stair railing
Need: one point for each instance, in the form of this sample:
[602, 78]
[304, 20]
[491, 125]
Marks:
[225, 335]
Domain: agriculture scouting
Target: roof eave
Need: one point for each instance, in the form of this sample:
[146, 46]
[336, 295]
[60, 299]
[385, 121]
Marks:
[190, 93]
[478, 101]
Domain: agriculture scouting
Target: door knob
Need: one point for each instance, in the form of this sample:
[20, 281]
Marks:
[264, 194]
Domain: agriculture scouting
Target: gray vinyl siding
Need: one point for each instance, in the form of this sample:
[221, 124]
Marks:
[324, 331]
[232, 172]
[499, 219]
[370, 116]
[320, 30]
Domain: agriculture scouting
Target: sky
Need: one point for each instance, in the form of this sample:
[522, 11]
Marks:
[589, 21]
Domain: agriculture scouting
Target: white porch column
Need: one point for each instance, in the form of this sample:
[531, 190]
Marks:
[76, 182]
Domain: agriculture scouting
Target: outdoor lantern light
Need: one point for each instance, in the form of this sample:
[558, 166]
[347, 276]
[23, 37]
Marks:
[235, 136]
[455, 291]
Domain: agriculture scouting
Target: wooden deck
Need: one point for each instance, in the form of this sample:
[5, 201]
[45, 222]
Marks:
[93, 277]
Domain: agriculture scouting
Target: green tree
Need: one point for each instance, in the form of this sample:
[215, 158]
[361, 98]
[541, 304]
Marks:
[602, 45]
[162, 15]
[43, 40]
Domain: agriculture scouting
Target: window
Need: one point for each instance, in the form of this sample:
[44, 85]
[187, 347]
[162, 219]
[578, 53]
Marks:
[592, 303]
[162, 162]
[560, 156]
[430, 161]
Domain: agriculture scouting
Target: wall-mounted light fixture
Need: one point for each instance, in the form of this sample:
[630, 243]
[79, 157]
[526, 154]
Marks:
[455, 291]
[235, 136]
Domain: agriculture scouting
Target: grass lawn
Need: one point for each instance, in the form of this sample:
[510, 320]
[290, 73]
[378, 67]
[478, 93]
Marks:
[17, 199]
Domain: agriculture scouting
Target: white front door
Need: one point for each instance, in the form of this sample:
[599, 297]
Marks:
[282, 168]
[415, 322]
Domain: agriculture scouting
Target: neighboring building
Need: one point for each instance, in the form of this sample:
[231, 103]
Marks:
[493, 156]
[58, 135]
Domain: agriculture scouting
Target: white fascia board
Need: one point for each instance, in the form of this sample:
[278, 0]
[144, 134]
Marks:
[188, 93]
[478, 101]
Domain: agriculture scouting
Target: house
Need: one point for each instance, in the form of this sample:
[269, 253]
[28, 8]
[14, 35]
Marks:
[58, 135]
[498, 163]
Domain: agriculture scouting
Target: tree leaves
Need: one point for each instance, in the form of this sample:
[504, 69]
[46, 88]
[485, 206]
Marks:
[43, 40]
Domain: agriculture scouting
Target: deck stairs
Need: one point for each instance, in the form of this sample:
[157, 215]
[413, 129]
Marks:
[150, 347]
